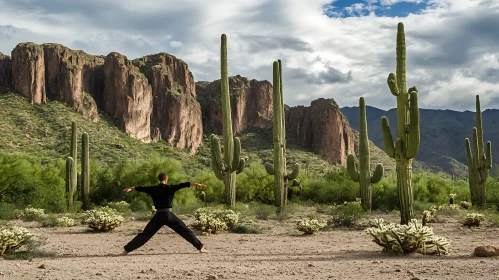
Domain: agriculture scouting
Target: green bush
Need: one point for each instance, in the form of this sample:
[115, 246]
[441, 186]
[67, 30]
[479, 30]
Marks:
[254, 184]
[346, 214]
[335, 188]
[122, 207]
[7, 211]
[247, 229]
[263, 211]
[139, 205]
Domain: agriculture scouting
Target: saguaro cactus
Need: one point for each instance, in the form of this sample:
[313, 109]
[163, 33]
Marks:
[85, 172]
[232, 163]
[70, 175]
[279, 168]
[479, 164]
[407, 142]
[364, 174]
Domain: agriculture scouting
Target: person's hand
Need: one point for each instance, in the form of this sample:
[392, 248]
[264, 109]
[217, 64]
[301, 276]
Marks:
[201, 186]
[128, 189]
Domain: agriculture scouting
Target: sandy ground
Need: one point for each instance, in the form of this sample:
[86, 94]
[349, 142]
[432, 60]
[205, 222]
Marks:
[281, 252]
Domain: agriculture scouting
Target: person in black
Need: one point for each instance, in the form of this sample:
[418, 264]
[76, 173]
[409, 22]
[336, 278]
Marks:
[162, 197]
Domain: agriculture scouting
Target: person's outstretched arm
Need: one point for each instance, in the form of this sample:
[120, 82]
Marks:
[145, 189]
[186, 185]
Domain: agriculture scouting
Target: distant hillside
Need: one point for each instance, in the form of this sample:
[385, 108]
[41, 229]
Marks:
[442, 134]
[43, 130]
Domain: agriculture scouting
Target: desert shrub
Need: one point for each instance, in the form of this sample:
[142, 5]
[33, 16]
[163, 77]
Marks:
[139, 205]
[335, 188]
[473, 219]
[211, 220]
[465, 204]
[263, 211]
[214, 193]
[346, 214]
[13, 238]
[54, 221]
[26, 180]
[7, 211]
[254, 184]
[247, 229]
[122, 207]
[31, 214]
[103, 219]
[309, 227]
[410, 238]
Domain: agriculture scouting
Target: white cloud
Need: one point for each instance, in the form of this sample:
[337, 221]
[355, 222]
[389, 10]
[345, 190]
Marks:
[452, 45]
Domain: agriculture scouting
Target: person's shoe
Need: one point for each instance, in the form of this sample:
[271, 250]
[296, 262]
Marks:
[203, 251]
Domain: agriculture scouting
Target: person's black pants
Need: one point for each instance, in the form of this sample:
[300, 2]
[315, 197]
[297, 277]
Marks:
[159, 220]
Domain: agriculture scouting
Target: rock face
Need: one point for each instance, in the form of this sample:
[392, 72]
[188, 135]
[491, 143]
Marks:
[127, 96]
[5, 70]
[322, 128]
[28, 71]
[251, 103]
[176, 114]
[71, 76]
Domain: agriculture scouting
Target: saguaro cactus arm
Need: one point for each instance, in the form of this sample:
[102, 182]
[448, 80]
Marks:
[489, 155]
[387, 137]
[351, 169]
[295, 170]
[378, 173]
[413, 135]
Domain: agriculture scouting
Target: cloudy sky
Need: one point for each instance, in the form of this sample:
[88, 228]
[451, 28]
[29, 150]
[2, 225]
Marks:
[339, 49]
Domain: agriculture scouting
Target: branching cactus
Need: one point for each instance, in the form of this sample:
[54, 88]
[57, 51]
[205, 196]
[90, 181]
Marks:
[363, 175]
[85, 172]
[226, 169]
[479, 163]
[407, 142]
[279, 171]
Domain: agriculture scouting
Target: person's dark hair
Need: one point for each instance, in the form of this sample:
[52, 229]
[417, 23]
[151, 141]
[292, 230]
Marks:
[162, 176]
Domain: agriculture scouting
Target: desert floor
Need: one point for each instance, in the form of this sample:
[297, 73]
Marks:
[281, 252]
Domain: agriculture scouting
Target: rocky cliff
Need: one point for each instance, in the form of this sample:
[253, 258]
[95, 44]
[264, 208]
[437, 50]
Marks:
[5, 70]
[176, 114]
[127, 96]
[28, 72]
[157, 92]
[251, 103]
[322, 128]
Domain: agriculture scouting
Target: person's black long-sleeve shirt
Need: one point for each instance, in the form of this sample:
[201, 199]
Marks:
[162, 195]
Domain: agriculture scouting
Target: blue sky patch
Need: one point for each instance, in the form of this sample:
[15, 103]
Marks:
[356, 8]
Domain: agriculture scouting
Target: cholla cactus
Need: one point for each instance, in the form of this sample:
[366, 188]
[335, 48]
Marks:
[65, 222]
[31, 214]
[153, 210]
[211, 221]
[429, 214]
[465, 204]
[451, 198]
[13, 238]
[121, 203]
[105, 219]
[473, 220]
[310, 227]
[410, 238]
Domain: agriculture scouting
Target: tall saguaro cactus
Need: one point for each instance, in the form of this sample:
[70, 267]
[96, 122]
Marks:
[279, 135]
[232, 163]
[363, 175]
[407, 142]
[85, 172]
[479, 163]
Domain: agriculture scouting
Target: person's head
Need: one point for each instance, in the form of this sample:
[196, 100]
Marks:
[163, 178]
